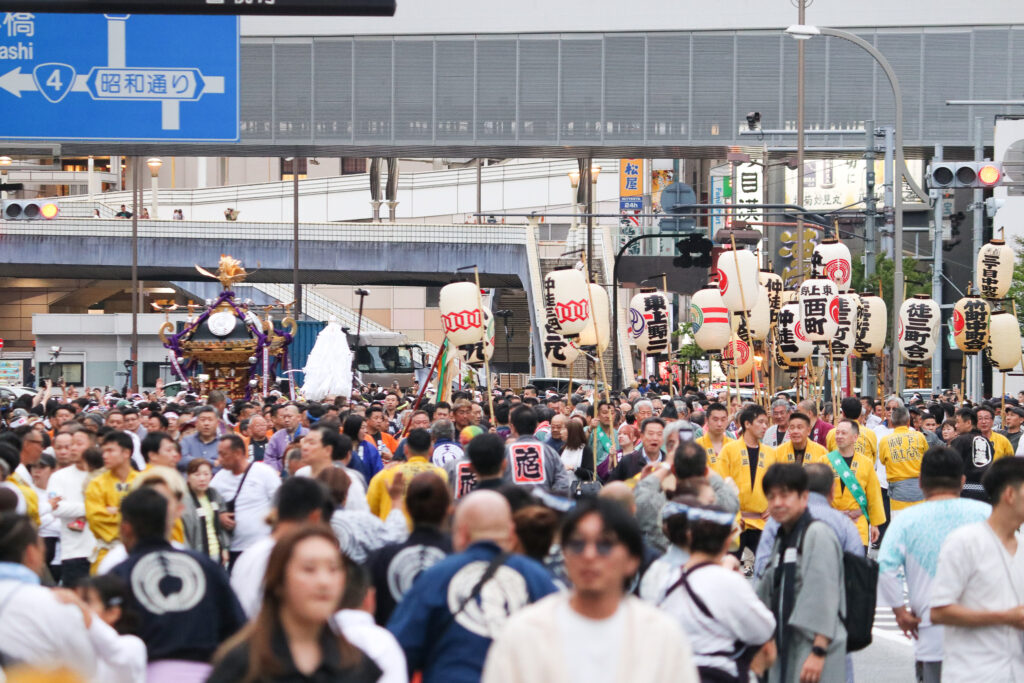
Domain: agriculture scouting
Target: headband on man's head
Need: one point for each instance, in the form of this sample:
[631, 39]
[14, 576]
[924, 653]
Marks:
[696, 514]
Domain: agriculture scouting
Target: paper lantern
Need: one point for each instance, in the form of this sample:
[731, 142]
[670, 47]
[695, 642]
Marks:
[789, 296]
[872, 322]
[846, 335]
[737, 359]
[793, 346]
[918, 332]
[773, 283]
[710, 319]
[995, 269]
[738, 279]
[477, 353]
[819, 308]
[971, 324]
[831, 260]
[461, 316]
[754, 326]
[650, 321]
[1003, 348]
[598, 330]
[567, 301]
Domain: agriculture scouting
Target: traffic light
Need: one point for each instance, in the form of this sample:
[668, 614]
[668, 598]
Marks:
[29, 210]
[977, 174]
[694, 250]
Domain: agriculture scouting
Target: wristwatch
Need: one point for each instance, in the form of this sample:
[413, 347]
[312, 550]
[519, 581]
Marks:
[818, 651]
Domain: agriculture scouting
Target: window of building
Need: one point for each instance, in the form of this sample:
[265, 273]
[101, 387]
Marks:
[294, 165]
[72, 373]
[151, 372]
[352, 165]
[433, 297]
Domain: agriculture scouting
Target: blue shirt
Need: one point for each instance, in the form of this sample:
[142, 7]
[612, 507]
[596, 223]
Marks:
[450, 649]
[192, 447]
[366, 460]
[821, 510]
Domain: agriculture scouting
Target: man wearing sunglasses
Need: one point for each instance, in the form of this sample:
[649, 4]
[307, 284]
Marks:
[597, 624]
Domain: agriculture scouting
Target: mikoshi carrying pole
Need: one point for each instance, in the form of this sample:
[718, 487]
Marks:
[487, 362]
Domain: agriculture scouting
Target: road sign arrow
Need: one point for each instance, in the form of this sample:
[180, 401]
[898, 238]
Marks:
[16, 82]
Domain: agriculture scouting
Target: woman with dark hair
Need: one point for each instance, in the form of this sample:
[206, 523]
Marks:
[290, 639]
[577, 456]
[120, 655]
[365, 457]
[726, 623]
[203, 530]
[948, 431]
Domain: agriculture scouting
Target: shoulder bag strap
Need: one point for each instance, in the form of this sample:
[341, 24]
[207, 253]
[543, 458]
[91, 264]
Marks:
[682, 582]
[849, 480]
[241, 483]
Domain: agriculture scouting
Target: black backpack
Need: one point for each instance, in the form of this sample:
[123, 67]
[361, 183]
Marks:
[860, 579]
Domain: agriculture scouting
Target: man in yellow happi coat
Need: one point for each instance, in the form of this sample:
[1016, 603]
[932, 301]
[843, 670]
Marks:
[798, 447]
[745, 461]
[858, 494]
[715, 438]
[103, 495]
[867, 440]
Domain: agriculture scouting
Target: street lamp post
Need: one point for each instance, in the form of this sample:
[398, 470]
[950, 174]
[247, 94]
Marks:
[154, 182]
[805, 32]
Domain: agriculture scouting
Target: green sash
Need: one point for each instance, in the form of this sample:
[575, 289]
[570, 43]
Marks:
[849, 479]
[603, 443]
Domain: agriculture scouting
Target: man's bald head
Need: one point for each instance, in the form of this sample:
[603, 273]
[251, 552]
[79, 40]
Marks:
[482, 516]
[620, 492]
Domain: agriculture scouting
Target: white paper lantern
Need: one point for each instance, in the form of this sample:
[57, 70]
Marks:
[995, 269]
[872, 323]
[773, 283]
[461, 316]
[792, 344]
[846, 334]
[567, 301]
[831, 261]
[971, 317]
[477, 353]
[650, 321]
[738, 279]
[819, 309]
[737, 359]
[598, 329]
[710, 319]
[789, 296]
[1003, 348]
[918, 332]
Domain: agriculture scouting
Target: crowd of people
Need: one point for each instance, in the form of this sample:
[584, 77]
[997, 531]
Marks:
[523, 536]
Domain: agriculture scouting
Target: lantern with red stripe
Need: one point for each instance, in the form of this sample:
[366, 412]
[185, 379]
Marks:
[737, 359]
[971, 316]
[846, 334]
[995, 269]
[567, 301]
[738, 279]
[710, 319]
[793, 346]
[831, 261]
[598, 328]
[461, 315]
[1003, 349]
[918, 332]
[754, 326]
[819, 309]
[650, 321]
[872, 322]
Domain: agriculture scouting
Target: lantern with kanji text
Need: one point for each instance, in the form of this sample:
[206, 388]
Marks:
[597, 330]
[970, 324]
[650, 321]
[846, 335]
[791, 344]
[831, 260]
[819, 309]
[872, 322]
[773, 283]
[1003, 348]
[738, 279]
[567, 301]
[994, 273]
[737, 359]
[918, 332]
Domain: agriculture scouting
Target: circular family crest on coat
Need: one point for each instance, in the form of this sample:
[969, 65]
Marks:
[409, 563]
[168, 582]
[504, 594]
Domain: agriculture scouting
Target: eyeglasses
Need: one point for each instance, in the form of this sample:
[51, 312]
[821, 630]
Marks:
[577, 546]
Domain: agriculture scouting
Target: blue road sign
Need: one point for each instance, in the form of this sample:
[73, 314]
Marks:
[124, 77]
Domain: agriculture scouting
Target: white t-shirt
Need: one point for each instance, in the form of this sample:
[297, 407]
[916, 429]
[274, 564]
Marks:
[69, 484]
[356, 498]
[736, 614]
[253, 502]
[976, 571]
[247, 575]
[590, 646]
